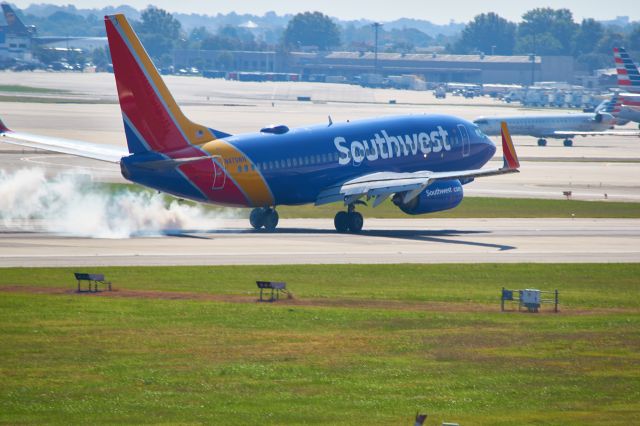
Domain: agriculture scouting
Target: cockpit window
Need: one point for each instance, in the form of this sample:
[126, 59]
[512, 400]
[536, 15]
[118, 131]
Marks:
[478, 132]
[480, 122]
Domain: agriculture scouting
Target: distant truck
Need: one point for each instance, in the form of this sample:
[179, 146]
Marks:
[440, 92]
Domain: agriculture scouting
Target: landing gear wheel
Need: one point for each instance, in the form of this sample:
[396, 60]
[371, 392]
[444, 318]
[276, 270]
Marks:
[568, 142]
[341, 222]
[271, 220]
[542, 142]
[356, 221]
[257, 217]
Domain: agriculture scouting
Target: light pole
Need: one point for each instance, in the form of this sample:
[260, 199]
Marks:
[376, 26]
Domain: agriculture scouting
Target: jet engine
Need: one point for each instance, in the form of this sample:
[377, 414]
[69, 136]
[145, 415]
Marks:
[605, 117]
[440, 195]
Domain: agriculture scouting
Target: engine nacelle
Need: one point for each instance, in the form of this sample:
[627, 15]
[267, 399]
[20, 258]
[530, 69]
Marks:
[440, 195]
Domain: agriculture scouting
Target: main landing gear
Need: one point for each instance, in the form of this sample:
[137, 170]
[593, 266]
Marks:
[349, 221]
[264, 217]
[568, 142]
[542, 142]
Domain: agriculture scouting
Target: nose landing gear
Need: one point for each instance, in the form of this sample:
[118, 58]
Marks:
[349, 221]
[264, 217]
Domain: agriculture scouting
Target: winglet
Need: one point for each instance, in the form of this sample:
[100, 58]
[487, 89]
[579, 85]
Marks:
[508, 151]
[3, 128]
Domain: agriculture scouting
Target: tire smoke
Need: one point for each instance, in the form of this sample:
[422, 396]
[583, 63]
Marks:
[71, 204]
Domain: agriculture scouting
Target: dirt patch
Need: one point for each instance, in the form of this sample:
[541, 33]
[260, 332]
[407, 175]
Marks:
[468, 307]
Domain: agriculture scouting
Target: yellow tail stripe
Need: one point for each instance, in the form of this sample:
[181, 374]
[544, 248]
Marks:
[240, 168]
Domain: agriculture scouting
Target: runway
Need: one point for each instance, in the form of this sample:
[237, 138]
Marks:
[313, 241]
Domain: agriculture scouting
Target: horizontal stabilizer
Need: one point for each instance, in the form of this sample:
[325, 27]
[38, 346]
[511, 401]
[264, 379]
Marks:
[109, 153]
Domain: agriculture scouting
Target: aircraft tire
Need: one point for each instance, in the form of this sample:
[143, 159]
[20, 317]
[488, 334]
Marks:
[271, 220]
[356, 221]
[568, 142]
[341, 222]
[542, 142]
[257, 218]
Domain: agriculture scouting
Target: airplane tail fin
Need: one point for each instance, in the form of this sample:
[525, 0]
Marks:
[628, 75]
[152, 119]
[14, 23]
[509, 155]
[3, 128]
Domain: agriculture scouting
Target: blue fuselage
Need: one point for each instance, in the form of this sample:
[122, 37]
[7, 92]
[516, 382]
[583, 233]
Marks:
[300, 163]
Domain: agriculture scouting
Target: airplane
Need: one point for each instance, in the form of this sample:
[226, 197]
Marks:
[421, 161]
[628, 80]
[628, 75]
[15, 28]
[557, 126]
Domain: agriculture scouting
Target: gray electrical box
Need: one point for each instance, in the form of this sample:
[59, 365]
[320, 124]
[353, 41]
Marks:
[530, 298]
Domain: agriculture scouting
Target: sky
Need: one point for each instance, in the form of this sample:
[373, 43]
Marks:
[440, 12]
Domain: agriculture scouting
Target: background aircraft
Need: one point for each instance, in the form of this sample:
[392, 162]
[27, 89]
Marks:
[629, 81]
[558, 126]
[421, 161]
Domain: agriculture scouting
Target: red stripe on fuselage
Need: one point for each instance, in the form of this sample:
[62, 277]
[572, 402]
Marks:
[201, 172]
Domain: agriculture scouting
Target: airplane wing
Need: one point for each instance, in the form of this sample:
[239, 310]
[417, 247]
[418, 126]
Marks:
[109, 153]
[601, 133]
[383, 184]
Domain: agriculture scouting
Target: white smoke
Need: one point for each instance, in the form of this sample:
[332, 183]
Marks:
[71, 204]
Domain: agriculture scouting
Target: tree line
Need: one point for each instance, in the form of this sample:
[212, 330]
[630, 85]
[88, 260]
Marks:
[546, 31]
[542, 31]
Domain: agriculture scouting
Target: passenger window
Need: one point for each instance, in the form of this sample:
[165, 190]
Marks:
[239, 169]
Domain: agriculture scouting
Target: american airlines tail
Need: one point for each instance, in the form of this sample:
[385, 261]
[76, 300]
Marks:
[152, 119]
[628, 75]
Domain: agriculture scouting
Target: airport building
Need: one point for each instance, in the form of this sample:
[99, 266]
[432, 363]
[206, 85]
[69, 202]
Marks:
[434, 68]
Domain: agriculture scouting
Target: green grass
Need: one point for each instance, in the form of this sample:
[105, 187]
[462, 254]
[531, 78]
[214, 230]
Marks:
[51, 100]
[471, 207]
[28, 89]
[373, 345]
[474, 207]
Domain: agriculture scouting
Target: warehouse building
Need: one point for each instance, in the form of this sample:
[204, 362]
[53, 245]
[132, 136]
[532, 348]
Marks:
[434, 68]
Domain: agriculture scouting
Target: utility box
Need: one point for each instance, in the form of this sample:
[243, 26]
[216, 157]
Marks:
[530, 298]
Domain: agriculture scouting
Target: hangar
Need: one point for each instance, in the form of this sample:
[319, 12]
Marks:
[434, 67]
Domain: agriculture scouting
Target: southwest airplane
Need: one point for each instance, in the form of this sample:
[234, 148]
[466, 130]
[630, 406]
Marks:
[420, 161]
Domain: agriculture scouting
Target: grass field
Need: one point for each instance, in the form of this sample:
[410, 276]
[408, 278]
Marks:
[471, 207]
[359, 344]
[16, 88]
[485, 207]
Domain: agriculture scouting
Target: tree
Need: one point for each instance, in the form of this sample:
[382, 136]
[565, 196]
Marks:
[540, 44]
[197, 36]
[159, 32]
[587, 36]
[558, 23]
[312, 29]
[610, 40]
[487, 33]
[633, 39]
